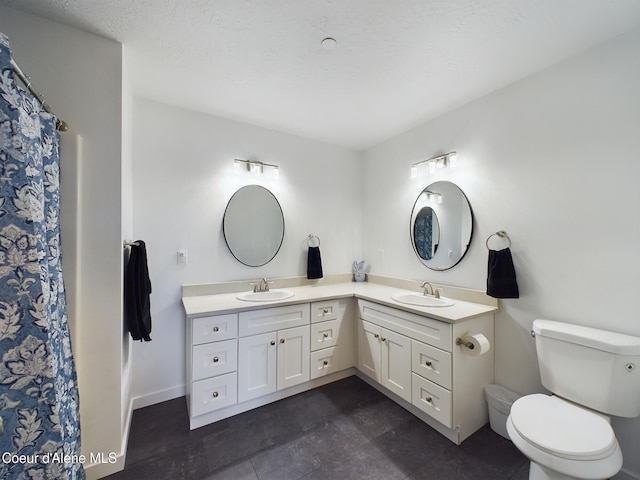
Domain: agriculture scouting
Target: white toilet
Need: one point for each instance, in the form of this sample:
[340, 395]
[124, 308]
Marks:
[592, 373]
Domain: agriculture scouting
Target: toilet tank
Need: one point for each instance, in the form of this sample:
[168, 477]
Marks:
[591, 367]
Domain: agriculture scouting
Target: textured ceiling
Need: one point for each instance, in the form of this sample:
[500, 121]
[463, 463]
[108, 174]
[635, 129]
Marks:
[397, 63]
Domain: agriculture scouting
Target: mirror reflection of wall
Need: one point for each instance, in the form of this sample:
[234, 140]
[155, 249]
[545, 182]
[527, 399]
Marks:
[253, 225]
[441, 225]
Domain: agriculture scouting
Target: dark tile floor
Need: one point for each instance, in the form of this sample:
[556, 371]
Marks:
[343, 431]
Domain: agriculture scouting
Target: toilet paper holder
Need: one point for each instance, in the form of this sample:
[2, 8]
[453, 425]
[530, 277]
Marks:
[469, 345]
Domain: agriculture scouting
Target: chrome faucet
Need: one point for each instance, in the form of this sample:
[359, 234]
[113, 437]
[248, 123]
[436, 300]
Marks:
[429, 290]
[262, 286]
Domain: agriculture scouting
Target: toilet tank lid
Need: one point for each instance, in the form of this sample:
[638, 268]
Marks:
[618, 343]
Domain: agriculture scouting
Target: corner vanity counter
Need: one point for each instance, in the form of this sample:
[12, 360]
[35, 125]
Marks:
[432, 360]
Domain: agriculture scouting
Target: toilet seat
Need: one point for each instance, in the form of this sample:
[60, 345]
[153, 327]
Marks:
[562, 429]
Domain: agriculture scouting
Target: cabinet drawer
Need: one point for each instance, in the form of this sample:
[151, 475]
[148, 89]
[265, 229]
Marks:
[431, 363]
[214, 393]
[213, 329]
[321, 311]
[324, 334]
[271, 319]
[325, 361]
[215, 358]
[432, 399]
[424, 329]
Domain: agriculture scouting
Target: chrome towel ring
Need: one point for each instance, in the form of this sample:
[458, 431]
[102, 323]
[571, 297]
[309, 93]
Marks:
[501, 234]
[313, 240]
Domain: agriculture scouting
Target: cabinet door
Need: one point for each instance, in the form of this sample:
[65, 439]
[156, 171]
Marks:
[396, 363]
[256, 366]
[293, 356]
[369, 349]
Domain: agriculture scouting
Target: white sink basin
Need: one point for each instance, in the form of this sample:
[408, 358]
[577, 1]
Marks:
[270, 296]
[421, 300]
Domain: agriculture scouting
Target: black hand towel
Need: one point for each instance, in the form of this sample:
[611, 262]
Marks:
[501, 275]
[314, 263]
[137, 288]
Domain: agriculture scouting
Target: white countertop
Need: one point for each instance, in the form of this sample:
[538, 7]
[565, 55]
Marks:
[201, 305]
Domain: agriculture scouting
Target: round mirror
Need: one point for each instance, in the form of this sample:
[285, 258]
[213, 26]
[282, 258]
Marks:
[253, 225]
[441, 225]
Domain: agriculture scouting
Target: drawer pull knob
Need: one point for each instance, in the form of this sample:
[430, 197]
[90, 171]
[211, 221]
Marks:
[216, 329]
[376, 335]
[325, 310]
[383, 339]
[428, 399]
[428, 363]
[215, 395]
[273, 342]
[325, 335]
[215, 359]
[325, 363]
[282, 340]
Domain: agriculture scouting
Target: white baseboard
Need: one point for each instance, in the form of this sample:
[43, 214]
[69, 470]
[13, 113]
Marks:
[158, 397]
[110, 465]
[95, 471]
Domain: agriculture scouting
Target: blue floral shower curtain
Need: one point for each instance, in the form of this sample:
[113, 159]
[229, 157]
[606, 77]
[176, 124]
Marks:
[423, 233]
[39, 425]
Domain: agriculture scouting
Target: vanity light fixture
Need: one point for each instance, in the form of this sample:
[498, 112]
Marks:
[448, 160]
[256, 168]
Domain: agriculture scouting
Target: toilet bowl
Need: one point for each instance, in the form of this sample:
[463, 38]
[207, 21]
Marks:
[592, 373]
[563, 440]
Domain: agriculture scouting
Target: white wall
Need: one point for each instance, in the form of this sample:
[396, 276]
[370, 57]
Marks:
[552, 160]
[183, 179]
[80, 75]
[127, 234]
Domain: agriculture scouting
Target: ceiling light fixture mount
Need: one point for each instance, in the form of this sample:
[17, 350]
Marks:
[328, 43]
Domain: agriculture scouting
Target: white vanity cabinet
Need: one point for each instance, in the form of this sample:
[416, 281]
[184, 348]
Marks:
[332, 337]
[242, 360]
[240, 355]
[416, 358]
[212, 347]
[273, 350]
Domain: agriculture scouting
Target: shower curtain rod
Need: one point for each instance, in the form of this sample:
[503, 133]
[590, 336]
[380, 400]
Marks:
[61, 125]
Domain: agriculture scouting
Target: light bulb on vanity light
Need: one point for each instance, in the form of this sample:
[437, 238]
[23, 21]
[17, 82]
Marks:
[414, 171]
[453, 159]
[276, 173]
